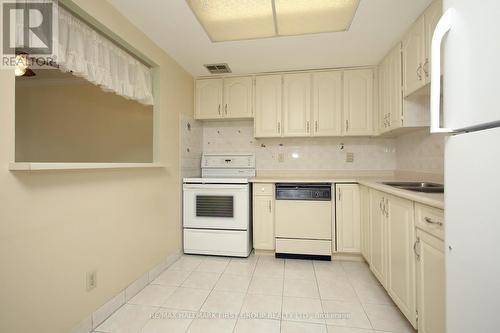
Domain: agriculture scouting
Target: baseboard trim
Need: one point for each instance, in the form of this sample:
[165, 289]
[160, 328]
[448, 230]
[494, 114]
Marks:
[89, 323]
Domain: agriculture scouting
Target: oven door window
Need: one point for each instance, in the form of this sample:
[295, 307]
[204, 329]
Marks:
[214, 206]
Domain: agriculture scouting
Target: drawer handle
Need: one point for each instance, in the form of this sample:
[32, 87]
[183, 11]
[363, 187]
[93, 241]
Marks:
[430, 221]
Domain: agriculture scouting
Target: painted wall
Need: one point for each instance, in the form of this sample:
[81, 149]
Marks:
[325, 154]
[55, 226]
[61, 118]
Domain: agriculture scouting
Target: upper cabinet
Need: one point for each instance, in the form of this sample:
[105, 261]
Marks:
[390, 94]
[238, 97]
[358, 102]
[417, 49]
[327, 103]
[413, 58]
[296, 104]
[230, 98]
[208, 102]
[431, 19]
[268, 111]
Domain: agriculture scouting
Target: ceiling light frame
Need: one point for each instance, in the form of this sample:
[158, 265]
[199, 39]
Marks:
[275, 23]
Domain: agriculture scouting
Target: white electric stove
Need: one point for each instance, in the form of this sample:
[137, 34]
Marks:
[217, 207]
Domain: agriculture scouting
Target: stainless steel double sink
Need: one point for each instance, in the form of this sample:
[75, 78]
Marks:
[424, 187]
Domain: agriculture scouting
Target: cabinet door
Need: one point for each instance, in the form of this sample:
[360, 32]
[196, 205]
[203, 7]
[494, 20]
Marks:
[413, 55]
[383, 88]
[431, 19]
[430, 283]
[327, 103]
[378, 238]
[268, 97]
[208, 99]
[401, 260]
[297, 104]
[263, 223]
[238, 97]
[348, 218]
[364, 198]
[358, 102]
[394, 85]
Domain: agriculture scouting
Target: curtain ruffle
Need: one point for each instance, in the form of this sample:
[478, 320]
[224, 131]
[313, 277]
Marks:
[89, 55]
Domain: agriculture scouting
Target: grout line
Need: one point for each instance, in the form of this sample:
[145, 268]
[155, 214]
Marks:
[319, 293]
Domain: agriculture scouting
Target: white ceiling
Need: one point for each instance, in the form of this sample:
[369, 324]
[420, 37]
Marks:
[377, 26]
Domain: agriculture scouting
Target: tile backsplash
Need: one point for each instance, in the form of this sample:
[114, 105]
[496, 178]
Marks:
[325, 154]
[415, 152]
[420, 151]
[191, 147]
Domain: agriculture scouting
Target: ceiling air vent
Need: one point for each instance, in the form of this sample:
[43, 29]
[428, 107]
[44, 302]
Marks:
[218, 68]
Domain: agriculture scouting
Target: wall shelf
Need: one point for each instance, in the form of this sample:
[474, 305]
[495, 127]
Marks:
[35, 166]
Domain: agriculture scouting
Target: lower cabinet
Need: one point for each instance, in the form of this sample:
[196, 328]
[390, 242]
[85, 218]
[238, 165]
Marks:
[348, 218]
[364, 200]
[378, 236]
[263, 217]
[430, 283]
[400, 257]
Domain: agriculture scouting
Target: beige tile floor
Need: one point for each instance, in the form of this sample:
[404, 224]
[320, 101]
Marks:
[260, 294]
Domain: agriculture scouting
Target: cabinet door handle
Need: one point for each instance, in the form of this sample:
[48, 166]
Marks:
[308, 127]
[430, 221]
[219, 109]
[419, 72]
[415, 245]
[340, 194]
[270, 208]
[426, 67]
[316, 126]
[347, 125]
[381, 205]
[226, 110]
[279, 127]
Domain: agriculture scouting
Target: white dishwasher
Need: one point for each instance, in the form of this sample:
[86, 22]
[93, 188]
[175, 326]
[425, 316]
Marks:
[304, 221]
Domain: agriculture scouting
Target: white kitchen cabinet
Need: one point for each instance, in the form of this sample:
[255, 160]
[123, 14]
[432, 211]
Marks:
[431, 19]
[238, 97]
[364, 199]
[390, 91]
[400, 257]
[378, 235]
[358, 102]
[327, 103]
[348, 219]
[268, 111]
[296, 104]
[430, 283]
[413, 58]
[208, 101]
[417, 49]
[263, 217]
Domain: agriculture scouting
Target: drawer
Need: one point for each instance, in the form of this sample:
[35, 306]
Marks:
[263, 189]
[430, 219]
[304, 246]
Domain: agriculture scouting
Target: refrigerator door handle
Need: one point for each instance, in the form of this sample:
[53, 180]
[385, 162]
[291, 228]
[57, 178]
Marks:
[442, 28]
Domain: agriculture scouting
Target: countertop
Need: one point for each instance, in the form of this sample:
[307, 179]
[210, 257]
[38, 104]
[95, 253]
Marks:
[431, 199]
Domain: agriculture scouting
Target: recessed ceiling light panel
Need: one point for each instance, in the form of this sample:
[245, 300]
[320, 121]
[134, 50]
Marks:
[298, 17]
[227, 20]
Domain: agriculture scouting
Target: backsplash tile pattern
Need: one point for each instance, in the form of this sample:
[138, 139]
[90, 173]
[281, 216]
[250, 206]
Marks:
[420, 151]
[300, 153]
[191, 147]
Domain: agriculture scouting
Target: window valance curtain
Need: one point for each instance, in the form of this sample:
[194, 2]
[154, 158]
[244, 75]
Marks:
[90, 55]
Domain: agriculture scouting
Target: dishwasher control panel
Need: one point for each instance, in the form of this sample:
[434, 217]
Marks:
[313, 192]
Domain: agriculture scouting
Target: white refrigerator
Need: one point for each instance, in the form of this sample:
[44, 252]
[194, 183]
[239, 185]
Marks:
[467, 40]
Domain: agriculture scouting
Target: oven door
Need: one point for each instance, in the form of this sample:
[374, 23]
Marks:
[216, 206]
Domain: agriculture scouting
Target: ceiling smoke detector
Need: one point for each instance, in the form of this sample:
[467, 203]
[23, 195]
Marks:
[218, 68]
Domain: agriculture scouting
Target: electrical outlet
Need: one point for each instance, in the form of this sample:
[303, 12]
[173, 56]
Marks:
[281, 157]
[349, 157]
[91, 279]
